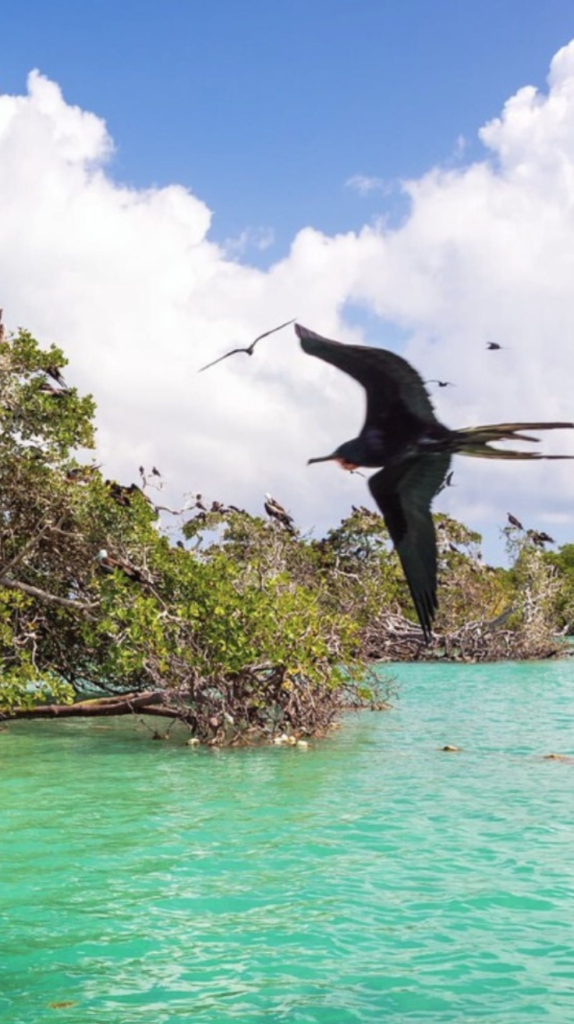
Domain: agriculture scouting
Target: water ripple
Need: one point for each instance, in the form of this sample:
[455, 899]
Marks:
[371, 878]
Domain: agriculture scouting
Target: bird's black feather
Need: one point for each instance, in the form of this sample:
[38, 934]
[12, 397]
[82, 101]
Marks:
[393, 386]
[404, 492]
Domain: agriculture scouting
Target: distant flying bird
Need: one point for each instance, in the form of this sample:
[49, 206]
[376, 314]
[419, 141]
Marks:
[250, 348]
[447, 482]
[276, 511]
[493, 346]
[514, 521]
[441, 383]
[402, 434]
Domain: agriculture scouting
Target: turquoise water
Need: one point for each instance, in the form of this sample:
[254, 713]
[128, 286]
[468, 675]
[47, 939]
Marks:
[370, 878]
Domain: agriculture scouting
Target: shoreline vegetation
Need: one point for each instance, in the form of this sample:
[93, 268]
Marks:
[236, 624]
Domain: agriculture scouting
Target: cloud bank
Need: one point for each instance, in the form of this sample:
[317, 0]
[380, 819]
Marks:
[129, 283]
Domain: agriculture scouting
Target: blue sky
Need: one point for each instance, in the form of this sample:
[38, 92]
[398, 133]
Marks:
[183, 175]
[265, 108]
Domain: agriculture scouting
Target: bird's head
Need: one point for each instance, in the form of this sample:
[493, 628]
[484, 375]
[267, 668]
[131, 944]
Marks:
[349, 455]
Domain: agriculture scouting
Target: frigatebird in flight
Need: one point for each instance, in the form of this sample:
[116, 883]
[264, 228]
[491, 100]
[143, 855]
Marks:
[250, 348]
[493, 346]
[402, 434]
[441, 383]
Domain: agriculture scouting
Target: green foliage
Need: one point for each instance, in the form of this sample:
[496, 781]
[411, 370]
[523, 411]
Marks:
[562, 563]
[244, 632]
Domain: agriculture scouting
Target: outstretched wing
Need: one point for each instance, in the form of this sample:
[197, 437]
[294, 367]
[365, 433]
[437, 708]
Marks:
[404, 492]
[220, 359]
[393, 387]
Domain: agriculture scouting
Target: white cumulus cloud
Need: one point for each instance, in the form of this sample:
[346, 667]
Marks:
[129, 283]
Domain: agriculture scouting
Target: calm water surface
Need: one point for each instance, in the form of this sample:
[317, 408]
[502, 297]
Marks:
[371, 878]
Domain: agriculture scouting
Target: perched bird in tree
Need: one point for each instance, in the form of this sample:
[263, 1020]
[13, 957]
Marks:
[539, 538]
[109, 563]
[155, 471]
[250, 348]
[493, 346]
[514, 521]
[122, 494]
[80, 474]
[402, 434]
[48, 389]
[55, 373]
[276, 511]
[441, 383]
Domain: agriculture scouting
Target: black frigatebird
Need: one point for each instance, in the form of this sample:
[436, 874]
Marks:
[493, 346]
[539, 538]
[276, 511]
[514, 521]
[55, 373]
[250, 348]
[447, 482]
[402, 434]
[441, 383]
[110, 563]
[48, 389]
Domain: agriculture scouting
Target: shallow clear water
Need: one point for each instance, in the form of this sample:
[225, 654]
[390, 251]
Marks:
[370, 878]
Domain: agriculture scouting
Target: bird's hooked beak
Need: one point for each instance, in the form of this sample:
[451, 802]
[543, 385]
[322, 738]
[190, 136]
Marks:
[350, 466]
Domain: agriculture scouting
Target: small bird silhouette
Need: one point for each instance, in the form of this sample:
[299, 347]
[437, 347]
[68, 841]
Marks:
[250, 348]
[441, 383]
[493, 346]
[402, 434]
[514, 521]
[447, 482]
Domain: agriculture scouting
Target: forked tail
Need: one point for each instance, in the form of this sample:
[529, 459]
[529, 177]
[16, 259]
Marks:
[477, 440]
